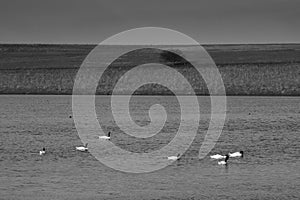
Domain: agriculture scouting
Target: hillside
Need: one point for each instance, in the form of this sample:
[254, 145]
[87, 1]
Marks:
[261, 69]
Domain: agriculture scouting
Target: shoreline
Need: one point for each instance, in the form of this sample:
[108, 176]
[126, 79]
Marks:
[246, 69]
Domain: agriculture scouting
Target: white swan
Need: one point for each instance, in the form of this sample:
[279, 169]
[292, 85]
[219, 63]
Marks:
[82, 148]
[217, 156]
[236, 154]
[105, 137]
[224, 162]
[42, 152]
[174, 157]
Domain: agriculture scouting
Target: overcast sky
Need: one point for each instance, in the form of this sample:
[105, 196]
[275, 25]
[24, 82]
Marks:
[91, 21]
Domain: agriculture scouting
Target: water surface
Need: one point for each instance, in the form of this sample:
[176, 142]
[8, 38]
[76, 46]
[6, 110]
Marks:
[265, 128]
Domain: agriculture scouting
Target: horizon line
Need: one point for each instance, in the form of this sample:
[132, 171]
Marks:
[205, 44]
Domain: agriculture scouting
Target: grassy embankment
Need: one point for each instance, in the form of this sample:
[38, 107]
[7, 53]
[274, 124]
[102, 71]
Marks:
[245, 69]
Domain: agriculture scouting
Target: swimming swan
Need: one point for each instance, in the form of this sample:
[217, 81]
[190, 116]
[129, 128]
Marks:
[224, 162]
[217, 156]
[105, 137]
[174, 157]
[42, 152]
[236, 154]
[85, 148]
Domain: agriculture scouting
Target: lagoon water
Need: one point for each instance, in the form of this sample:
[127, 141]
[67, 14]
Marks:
[265, 128]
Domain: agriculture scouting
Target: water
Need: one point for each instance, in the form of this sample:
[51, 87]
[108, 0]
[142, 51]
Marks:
[266, 128]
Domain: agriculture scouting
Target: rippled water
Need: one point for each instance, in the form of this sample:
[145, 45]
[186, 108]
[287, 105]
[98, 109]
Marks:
[266, 128]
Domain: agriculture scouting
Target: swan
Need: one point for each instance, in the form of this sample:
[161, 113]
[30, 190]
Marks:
[42, 152]
[174, 157]
[224, 162]
[82, 148]
[105, 137]
[236, 154]
[217, 156]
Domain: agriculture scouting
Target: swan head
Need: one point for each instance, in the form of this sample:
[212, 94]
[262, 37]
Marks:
[108, 134]
[226, 158]
[44, 149]
[242, 153]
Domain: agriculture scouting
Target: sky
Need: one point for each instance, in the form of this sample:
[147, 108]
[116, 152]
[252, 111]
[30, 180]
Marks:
[92, 21]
